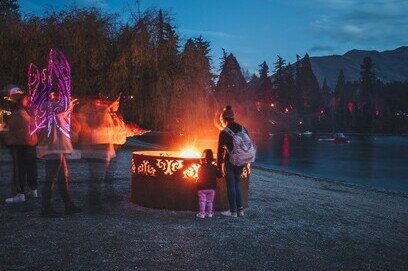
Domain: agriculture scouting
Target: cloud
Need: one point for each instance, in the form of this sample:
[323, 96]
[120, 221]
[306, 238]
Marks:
[376, 22]
[217, 34]
[323, 48]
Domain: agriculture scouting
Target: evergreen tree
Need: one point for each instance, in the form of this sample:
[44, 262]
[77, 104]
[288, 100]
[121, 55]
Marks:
[367, 97]
[11, 44]
[325, 91]
[231, 85]
[309, 88]
[367, 78]
[9, 8]
[190, 102]
[279, 82]
[340, 98]
[298, 94]
[264, 89]
[290, 85]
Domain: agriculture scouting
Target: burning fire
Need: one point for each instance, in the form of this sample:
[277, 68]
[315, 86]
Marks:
[190, 153]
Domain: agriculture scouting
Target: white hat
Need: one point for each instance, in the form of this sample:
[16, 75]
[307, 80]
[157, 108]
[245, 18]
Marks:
[15, 90]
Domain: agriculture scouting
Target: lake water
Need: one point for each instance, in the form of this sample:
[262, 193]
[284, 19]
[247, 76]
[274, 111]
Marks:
[376, 161]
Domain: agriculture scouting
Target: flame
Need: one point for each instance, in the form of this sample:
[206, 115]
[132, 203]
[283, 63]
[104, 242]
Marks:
[190, 153]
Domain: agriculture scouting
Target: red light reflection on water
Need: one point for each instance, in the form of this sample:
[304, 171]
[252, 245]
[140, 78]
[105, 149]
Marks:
[350, 107]
[285, 150]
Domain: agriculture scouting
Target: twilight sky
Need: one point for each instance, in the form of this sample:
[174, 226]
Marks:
[258, 30]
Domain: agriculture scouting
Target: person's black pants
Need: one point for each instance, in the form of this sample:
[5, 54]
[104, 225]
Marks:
[24, 167]
[56, 170]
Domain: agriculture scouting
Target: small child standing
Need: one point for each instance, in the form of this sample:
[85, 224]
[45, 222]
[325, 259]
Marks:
[206, 184]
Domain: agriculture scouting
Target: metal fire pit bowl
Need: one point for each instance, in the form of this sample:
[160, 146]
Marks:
[165, 180]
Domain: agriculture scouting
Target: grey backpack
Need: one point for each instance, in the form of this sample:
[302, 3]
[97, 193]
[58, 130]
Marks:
[244, 150]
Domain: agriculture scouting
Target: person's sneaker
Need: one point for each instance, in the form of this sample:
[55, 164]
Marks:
[33, 193]
[50, 213]
[240, 213]
[72, 209]
[16, 198]
[229, 213]
[200, 215]
[210, 215]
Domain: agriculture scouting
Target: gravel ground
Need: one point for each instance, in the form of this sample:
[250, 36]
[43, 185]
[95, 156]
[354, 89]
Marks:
[293, 223]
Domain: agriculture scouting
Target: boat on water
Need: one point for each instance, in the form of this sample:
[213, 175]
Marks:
[336, 138]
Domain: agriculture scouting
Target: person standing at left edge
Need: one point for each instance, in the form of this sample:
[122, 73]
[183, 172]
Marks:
[22, 146]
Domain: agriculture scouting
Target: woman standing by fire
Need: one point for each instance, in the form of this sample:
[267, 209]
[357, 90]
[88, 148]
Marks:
[235, 150]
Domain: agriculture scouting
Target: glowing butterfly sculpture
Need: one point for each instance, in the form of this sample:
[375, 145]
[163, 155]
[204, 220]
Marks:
[40, 86]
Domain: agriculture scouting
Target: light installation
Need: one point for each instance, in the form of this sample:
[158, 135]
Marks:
[40, 87]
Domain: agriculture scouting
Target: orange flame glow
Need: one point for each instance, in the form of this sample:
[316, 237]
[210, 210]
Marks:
[190, 153]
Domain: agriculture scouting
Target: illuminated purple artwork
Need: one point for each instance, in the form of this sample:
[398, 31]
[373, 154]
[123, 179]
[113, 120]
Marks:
[40, 87]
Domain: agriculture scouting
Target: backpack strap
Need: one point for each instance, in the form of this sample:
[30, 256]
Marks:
[229, 131]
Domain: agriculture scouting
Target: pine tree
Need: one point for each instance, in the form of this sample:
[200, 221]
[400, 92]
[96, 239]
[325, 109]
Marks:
[367, 97]
[264, 90]
[190, 102]
[340, 98]
[309, 88]
[279, 82]
[290, 85]
[325, 91]
[367, 78]
[231, 85]
[298, 94]
[9, 8]
[12, 44]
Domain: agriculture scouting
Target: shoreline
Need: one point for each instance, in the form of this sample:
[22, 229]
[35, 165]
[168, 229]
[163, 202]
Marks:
[328, 180]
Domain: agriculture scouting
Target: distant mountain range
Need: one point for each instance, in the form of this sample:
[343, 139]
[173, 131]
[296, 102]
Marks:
[389, 66]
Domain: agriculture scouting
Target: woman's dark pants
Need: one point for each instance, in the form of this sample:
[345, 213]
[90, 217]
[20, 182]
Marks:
[233, 177]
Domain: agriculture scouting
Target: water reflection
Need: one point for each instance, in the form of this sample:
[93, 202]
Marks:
[285, 150]
[374, 161]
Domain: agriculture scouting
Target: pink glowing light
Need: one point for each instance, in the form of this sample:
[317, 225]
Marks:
[40, 86]
[350, 107]
[377, 110]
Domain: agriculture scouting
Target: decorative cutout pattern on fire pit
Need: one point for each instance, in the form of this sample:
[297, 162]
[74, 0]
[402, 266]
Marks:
[133, 166]
[191, 172]
[166, 180]
[246, 171]
[146, 169]
[169, 166]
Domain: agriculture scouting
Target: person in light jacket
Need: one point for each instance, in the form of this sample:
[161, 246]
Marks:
[54, 143]
[22, 146]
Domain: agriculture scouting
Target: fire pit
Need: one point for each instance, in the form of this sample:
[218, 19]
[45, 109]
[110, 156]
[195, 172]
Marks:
[167, 180]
